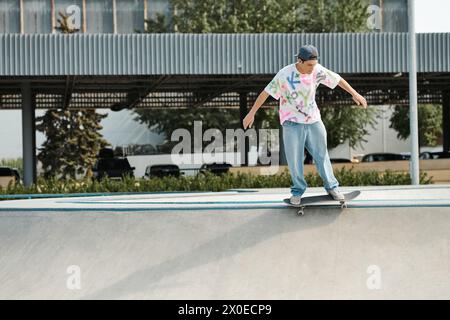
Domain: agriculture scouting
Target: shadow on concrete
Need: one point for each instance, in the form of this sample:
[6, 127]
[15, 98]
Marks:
[266, 225]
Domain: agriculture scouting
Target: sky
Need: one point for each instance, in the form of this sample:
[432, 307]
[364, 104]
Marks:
[431, 16]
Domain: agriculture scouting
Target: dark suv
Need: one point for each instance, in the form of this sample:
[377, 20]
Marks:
[10, 172]
[109, 166]
[162, 170]
[7, 176]
[215, 168]
[383, 157]
[434, 155]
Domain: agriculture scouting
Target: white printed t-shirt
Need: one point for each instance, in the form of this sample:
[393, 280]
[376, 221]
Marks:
[297, 92]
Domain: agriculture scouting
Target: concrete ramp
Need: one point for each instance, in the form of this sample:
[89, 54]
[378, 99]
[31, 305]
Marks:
[391, 243]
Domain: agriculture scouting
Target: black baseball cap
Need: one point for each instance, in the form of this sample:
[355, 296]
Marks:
[308, 52]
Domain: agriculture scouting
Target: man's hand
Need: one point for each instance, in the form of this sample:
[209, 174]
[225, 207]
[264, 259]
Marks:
[250, 117]
[360, 100]
[248, 120]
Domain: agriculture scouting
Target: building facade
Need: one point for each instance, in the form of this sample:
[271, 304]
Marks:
[128, 16]
[393, 15]
[89, 16]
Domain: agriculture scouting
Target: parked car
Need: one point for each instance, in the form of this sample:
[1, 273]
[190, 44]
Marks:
[340, 160]
[17, 175]
[8, 175]
[440, 155]
[307, 157]
[161, 170]
[108, 165]
[215, 168]
[371, 157]
[113, 168]
[426, 155]
[429, 155]
[106, 153]
[406, 155]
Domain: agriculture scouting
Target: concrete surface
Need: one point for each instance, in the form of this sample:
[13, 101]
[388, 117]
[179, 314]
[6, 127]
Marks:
[391, 243]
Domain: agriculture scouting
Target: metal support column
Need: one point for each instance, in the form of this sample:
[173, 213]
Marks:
[446, 121]
[243, 112]
[414, 162]
[28, 135]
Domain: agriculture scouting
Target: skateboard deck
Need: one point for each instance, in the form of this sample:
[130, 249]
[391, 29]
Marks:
[322, 198]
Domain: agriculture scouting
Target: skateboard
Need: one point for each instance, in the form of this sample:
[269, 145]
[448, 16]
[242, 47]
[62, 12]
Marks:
[323, 198]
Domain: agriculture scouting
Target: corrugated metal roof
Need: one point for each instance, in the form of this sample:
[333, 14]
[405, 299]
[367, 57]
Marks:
[153, 54]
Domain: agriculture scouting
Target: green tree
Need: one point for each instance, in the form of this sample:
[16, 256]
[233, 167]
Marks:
[334, 16]
[159, 24]
[73, 138]
[72, 143]
[237, 16]
[260, 16]
[429, 123]
[337, 118]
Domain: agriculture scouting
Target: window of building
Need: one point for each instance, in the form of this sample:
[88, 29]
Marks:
[9, 16]
[130, 16]
[155, 7]
[37, 16]
[99, 16]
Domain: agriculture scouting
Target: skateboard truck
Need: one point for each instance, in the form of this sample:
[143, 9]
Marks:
[301, 208]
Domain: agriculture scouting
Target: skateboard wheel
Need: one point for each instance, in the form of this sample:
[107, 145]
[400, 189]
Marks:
[300, 212]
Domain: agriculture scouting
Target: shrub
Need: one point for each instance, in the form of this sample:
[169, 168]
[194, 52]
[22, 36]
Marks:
[208, 182]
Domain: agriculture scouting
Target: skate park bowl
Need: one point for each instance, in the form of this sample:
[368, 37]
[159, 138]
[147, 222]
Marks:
[392, 242]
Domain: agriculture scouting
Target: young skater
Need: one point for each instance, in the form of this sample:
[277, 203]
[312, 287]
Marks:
[295, 87]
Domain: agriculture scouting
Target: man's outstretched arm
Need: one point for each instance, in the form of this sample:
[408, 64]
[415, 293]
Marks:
[359, 99]
[248, 120]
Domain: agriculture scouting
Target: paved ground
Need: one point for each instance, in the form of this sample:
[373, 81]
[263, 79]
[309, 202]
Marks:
[391, 243]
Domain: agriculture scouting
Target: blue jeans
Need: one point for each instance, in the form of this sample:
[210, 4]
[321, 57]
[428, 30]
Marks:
[313, 137]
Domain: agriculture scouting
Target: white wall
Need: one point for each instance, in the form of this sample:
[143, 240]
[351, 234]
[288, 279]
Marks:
[10, 134]
[380, 139]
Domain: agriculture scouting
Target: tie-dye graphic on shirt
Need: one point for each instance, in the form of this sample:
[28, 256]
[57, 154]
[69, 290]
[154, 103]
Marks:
[297, 92]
